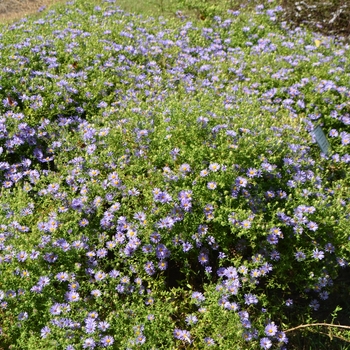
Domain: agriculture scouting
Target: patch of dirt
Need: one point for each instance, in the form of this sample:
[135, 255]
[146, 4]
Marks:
[328, 17]
[12, 10]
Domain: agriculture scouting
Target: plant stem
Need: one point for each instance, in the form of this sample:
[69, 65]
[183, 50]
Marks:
[317, 324]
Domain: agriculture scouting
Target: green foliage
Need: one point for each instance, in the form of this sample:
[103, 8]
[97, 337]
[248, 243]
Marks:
[161, 175]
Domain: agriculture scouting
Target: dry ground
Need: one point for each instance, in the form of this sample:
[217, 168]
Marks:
[329, 17]
[11, 10]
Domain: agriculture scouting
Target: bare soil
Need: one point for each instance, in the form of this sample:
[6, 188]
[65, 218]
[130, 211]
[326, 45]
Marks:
[329, 17]
[12, 10]
[323, 16]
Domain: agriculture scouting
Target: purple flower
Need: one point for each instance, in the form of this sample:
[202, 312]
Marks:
[324, 295]
[36, 289]
[204, 173]
[149, 301]
[333, 133]
[241, 182]
[202, 120]
[96, 293]
[22, 316]
[140, 216]
[345, 138]
[43, 281]
[317, 254]
[252, 172]
[90, 325]
[247, 336]
[103, 326]
[73, 286]
[246, 224]
[141, 339]
[281, 194]
[329, 248]
[312, 226]
[101, 253]
[265, 343]
[120, 288]
[230, 272]
[162, 265]
[191, 319]
[289, 302]
[89, 343]
[231, 306]
[203, 258]
[83, 222]
[255, 273]
[167, 222]
[275, 255]
[250, 299]
[299, 256]
[222, 255]
[269, 194]
[271, 329]
[272, 239]
[155, 237]
[107, 341]
[77, 204]
[186, 204]
[147, 249]
[56, 309]
[162, 251]
[150, 317]
[22, 256]
[174, 153]
[114, 274]
[198, 296]
[314, 304]
[281, 337]
[214, 167]
[45, 332]
[246, 323]
[125, 280]
[186, 246]
[185, 168]
[341, 262]
[162, 197]
[133, 192]
[34, 254]
[62, 276]
[182, 335]
[99, 276]
[208, 208]
[208, 269]
[72, 296]
[149, 268]
[211, 185]
[209, 341]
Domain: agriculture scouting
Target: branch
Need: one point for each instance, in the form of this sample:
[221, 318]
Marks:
[317, 324]
[335, 336]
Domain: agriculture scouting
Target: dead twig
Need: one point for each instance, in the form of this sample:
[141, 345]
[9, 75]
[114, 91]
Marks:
[317, 324]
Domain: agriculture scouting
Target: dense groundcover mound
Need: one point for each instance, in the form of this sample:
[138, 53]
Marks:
[161, 186]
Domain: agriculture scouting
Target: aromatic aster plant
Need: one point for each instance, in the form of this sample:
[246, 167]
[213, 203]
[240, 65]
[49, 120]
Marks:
[161, 187]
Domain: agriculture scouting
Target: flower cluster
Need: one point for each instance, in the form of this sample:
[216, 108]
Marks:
[161, 179]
